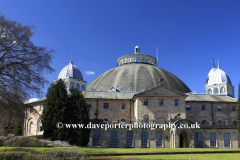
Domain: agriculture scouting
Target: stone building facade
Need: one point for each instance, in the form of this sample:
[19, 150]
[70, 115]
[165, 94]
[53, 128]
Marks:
[137, 92]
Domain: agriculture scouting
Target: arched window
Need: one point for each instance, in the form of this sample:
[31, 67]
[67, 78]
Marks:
[204, 122]
[209, 91]
[83, 88]
[234, 123]
[215, 90]
[123, 121]
[78, 86]
[40, 126]
[66, 84]
[31, 127]
[105, 121]
[219, 122]
[222, 90]
[146, 119]
[71, 84]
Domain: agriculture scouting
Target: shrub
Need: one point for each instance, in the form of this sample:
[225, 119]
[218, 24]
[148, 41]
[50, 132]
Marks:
[37, 136]
[24, 142]
[1, 142]
[18, 130]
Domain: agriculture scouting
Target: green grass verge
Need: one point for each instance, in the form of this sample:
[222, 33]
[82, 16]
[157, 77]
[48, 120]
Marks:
[218, 156]
[122, 150]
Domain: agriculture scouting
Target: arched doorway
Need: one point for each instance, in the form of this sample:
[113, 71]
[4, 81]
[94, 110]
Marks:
[183, 140]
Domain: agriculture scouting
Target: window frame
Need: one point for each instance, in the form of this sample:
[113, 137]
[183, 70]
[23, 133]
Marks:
[144, 139]
[95, 139]
[188, 107]
[218, 108]
[41, 107]
[161, 102]
[234, 108]
[129, 139]
[40, 126]
[198, 139]
[31, 127]
[176, 101]
[89, 104]
[124, 106]
[205, 107]
[213, 139]
[146, 101]
[114, 139]
[159, 139]
[105, 104]
[226, 139]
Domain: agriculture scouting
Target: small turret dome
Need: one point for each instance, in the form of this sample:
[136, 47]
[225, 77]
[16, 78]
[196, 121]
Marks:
[211, 71]
[70, 71]
[218, 76]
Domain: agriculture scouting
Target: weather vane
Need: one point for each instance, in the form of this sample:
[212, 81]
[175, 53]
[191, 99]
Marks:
[213, 62]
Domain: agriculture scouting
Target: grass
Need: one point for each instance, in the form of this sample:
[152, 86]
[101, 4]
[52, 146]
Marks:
[218, 156]
[122, 150]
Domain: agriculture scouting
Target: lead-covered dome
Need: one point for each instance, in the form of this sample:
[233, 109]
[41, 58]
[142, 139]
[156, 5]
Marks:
[218, 77]
[70, 71]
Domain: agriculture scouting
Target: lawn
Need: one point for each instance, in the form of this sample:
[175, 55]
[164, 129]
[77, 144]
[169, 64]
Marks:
[122, 150]
[232, 156]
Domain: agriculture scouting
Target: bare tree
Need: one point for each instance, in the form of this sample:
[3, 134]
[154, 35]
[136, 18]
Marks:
[22, 65]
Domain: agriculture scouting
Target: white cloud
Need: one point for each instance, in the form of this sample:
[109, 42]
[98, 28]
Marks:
[89, 72]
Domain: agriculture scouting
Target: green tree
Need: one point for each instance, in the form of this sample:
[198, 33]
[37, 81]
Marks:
[18, 130]
[238, 112]
[55, 110]
[79, 115]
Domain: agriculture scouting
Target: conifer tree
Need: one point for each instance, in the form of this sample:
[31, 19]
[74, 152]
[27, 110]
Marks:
[79, 115]
[238, 112]
[55, 110]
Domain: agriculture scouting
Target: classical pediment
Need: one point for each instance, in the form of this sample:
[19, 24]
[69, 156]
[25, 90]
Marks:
[161, 90]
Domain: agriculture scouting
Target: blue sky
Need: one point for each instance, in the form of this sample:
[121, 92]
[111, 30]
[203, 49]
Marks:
[97, 32]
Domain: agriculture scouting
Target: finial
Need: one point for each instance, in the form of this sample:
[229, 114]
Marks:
[213, 62]
[137, 50]
[71, 58]
[218, 63]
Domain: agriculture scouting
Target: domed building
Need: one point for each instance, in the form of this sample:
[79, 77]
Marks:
[72, 76]
[218, 83]
[137, 94]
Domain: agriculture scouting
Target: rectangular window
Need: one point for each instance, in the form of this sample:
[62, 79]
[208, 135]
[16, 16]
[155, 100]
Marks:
[204, 108]
[31, 109]
[129, 139]
[199, 139]
[161, 102]
[226, 140]
[123, 106]
[95, 139]
[176, 102]
[234, 108]
[144, 139]
[106, 106]
[158, 139]
[114, 139]
[89, 105]
[41, 107]
[145, 103]
[238, 143]
[213, 139]
[188, 107]
[219, 108]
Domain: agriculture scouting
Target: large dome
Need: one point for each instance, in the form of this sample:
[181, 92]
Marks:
[136, 77]
[70, 71]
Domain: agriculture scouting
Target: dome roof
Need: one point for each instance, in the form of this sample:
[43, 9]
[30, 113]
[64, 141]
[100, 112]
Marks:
[218, 76]
[211, 71]
[136, 77]
[70, 71]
